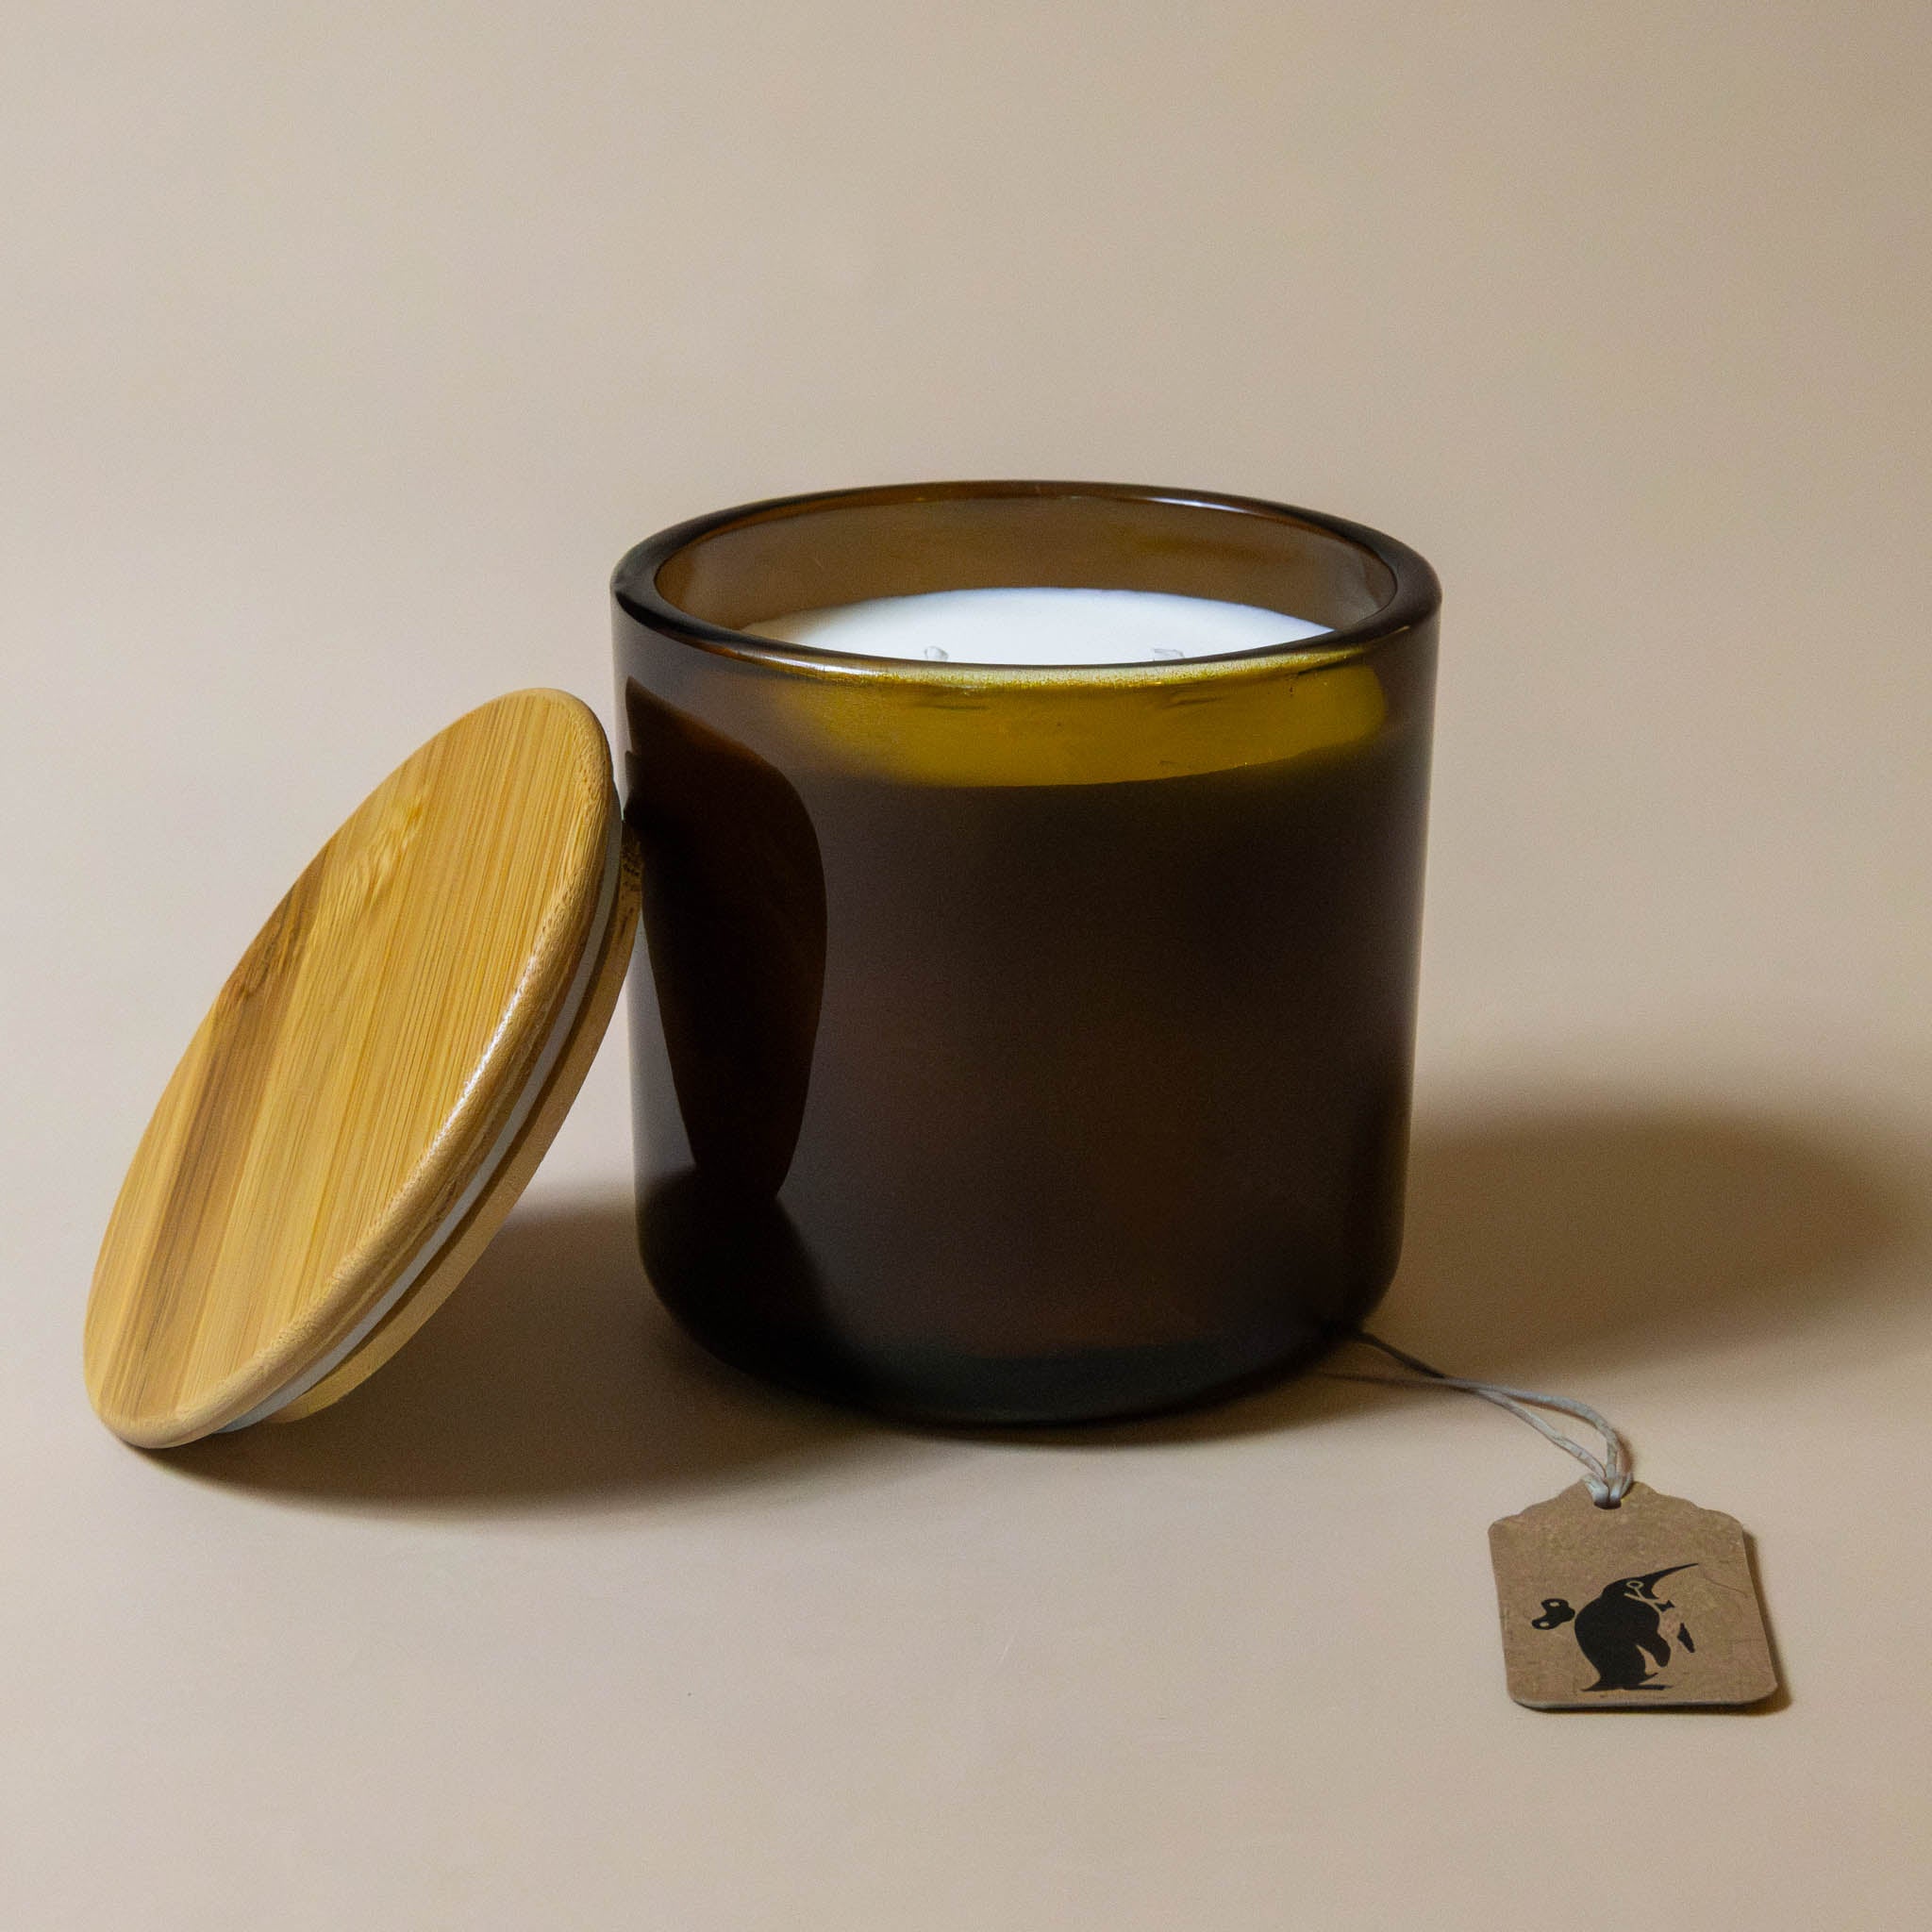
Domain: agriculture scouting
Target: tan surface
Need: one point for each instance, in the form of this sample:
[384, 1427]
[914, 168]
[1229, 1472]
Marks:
[343, 352]
[353, 1076]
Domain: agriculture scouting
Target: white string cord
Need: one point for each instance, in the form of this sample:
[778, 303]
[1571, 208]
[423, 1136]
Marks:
[1608, 1479]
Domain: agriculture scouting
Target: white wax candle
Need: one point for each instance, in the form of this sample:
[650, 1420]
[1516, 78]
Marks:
[1040, 626]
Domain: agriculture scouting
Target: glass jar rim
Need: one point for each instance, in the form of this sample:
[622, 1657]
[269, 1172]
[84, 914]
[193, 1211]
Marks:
[1413, 594]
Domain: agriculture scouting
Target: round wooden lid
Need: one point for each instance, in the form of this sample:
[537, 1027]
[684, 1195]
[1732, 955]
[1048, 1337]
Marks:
[374, 1085]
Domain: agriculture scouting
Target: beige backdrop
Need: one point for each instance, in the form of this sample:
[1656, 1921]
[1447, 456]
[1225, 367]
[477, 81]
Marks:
[345, 346]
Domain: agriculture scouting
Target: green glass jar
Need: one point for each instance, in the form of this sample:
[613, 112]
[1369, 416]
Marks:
[1023, 1045]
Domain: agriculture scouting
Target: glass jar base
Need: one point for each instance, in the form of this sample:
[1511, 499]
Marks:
[945, 1390]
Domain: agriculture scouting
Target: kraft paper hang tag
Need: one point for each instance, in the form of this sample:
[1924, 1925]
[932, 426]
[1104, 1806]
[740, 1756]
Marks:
[1646, 1605]
[1612, 1596]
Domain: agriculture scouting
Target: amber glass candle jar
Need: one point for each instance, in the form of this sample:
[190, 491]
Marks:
[1031, 1043]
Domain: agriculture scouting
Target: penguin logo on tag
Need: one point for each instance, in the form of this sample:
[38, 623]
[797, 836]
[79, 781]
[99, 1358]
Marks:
[1621, 1631]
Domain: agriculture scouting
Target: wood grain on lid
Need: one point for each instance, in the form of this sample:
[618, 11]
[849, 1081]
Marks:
[358, 1069]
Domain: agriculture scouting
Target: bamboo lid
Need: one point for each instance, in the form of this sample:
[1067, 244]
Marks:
[374, 1085]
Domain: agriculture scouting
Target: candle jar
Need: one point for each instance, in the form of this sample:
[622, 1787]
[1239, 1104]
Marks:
[1023, 1045]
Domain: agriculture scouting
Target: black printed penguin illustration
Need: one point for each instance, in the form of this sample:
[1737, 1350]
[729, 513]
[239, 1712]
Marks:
[1620, 1628]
